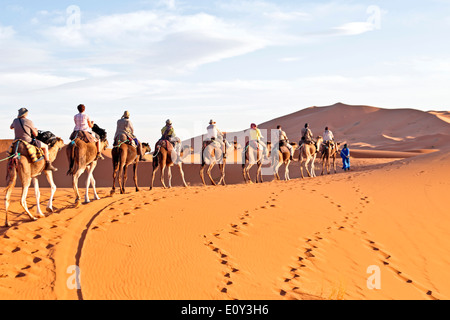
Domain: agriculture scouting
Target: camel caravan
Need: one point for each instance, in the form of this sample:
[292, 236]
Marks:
[33, 152]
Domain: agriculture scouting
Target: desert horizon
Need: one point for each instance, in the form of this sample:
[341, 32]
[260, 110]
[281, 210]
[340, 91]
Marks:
[319, 238]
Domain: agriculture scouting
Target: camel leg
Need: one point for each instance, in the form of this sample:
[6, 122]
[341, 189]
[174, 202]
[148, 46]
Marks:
[23, 201]
[7, 203]
[313, 170]
[222, 171]
[169, 174]
[37, 194]
[323, 166]
[124, 179]
[286, 173]
[259, 173]
[180, 165]
[115, 171]
[211, 166]
[306, 167]
[135, 176]
[49, 177]
[90, 181]
[120, 175]
[75, 178]
[202, 174]
[276, 169]
[247, 171]
[163, 169]
[302, 164]
[153, 177]
[93, 183]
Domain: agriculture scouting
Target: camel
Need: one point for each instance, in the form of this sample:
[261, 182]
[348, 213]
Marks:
[212, 155]
[329, 151]
[308, 156]
[82, 157]
[281, 156]
[124, 155]
[27, 172]
[252, 156]
[162, 159]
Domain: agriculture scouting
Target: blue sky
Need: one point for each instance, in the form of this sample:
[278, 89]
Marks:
[234, 61]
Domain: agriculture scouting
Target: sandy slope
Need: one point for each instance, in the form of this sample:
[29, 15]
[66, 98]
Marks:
[303, 239]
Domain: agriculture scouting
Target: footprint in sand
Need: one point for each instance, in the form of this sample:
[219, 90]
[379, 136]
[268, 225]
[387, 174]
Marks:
[37, 260]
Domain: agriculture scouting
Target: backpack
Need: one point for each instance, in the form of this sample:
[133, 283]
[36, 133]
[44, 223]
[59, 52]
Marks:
[101, 132]
[46, 137]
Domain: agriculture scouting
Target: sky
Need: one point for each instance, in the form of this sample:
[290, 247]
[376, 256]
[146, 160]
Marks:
[236, 62]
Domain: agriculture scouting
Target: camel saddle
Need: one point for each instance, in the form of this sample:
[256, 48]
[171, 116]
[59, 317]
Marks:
[123, 138]
[162, 143]
[35, 154]
[329, 145]
[218, 145]
[254, 144]
[85, 136]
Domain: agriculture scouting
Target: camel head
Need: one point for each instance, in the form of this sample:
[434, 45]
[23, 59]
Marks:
[146, 148]
[57, 143]
[105, 144]
[319, 140]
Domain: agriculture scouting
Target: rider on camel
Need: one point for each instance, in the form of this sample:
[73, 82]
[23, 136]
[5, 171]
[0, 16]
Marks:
[24, 130]
[125, 131]
[256, 136]
[168, 133]
[284, 141]
[307, 137]
[83, 130]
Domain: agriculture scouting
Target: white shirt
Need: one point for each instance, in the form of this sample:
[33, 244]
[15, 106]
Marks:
[212, 132]
[328, 135]
[81, 122]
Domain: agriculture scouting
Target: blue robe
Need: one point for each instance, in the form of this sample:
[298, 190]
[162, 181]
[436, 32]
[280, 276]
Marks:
[345, 155]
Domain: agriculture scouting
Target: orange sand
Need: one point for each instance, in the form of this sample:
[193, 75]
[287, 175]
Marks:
[304, 239]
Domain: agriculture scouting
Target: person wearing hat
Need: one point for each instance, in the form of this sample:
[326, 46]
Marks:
[328, 135]
[214, 134]
[256, 136]
[168, 133]
[125, 131]
[83, 129]
[285, 141]
[25, 130]
[307, 137]
[345, 155]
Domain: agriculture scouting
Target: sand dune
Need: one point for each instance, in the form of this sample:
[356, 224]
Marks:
[309, 238]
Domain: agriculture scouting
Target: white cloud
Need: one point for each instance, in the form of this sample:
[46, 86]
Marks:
[291, 59]
[354, 28]
[157, 40]
[287, 16]
[6, 32]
